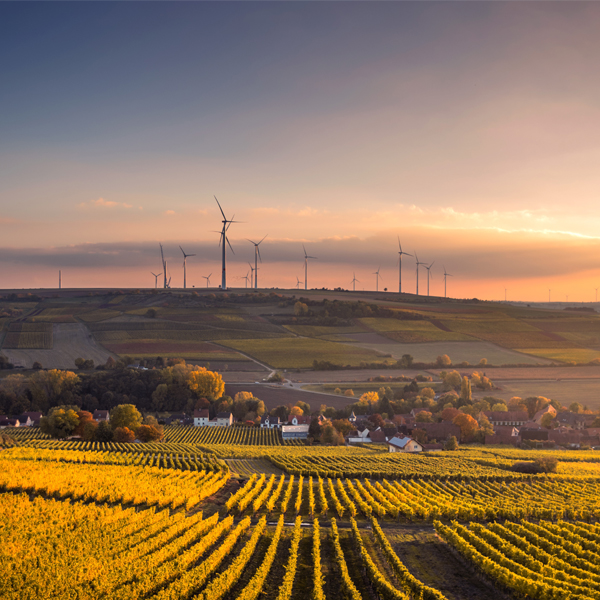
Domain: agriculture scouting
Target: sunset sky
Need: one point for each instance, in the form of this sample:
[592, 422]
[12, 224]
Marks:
[471, 130]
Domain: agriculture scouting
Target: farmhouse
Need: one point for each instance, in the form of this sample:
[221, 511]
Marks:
[101, 415]
[6, 422]
[30, 419]
[404, 444]
[440, 431]
[201, 417]
[516, 418]
[294, 432]
[269, 422]
[300, 420]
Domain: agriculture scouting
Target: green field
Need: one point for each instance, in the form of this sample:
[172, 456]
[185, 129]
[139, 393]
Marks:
[578, 355]
[299, 353]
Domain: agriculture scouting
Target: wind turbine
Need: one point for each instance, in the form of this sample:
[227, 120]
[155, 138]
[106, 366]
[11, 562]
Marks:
[400, 253]
[164, 264]
[156, 279]
[306, 257]
[428, 267]
[354, 282]
[377, 277]
[185, 256]
[224, 241]
[297, 283]
[246, 277]
[256, 257]
[207, 279]
[446, 275]
[252, 274]
[418, 264]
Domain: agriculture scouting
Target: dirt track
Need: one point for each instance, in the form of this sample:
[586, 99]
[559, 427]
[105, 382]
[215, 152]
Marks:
[71, 341]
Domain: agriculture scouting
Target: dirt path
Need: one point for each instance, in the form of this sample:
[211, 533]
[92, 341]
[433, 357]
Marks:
[71, 341]
[430, 560]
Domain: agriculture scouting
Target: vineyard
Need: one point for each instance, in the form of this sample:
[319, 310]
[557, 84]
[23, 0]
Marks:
[28, 336]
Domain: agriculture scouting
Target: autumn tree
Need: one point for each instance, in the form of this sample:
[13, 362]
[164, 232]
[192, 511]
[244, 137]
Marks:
[465, 391]
[452, 380]
[369, 398]
[468, 426]
[206, 384]
[499, 407]
[84, 418]
[343, 426]
[61, 422]
[575, 407]
[451, 443]
[424, 416]
[331, 436]
[125, 416]
[48, 388]
[296, 411]
[548, 420]
[349, 393]
[443, 361]
[123, 435]
[149, 433]
[449, 413]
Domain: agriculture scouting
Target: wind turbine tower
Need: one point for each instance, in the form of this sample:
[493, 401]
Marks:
[377, 277]
[59, 279]
[354, 282]
[252, 274]
[164, 265]
[400, 253]
[257, 256]
[418, 264]
[445, 275]
[185, 257]
[224, 241]
[207, 279]
[428, 267]
[306, 258]
[156, 279]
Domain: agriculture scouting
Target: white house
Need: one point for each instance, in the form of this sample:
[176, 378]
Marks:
[201, 417]
[269, 422]
[291, 432]
[224, 419]
[404, 444]
[300, 420]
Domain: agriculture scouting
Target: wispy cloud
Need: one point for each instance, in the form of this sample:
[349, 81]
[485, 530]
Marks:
[102, 203]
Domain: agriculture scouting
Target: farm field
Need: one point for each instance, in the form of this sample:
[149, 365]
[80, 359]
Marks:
[586, 391]
[471, 352]
[289, 353]
[70, 341]
[577, 355]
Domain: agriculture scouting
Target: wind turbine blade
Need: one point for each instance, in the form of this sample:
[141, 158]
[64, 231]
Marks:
[221, 209]
[251, 241]
[191, 255]
[305, 255]
[431, 265]
[182, 252]
[261, 241]
[258, 249]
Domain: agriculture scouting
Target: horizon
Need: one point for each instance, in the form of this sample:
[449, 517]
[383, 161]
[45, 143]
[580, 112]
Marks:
[468, 130]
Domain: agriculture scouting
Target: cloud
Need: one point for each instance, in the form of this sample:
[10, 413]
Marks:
[102, 203]
[169, 212]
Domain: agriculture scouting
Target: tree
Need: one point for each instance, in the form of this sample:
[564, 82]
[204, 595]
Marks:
[343, 426]
[449, 413]
[82, 363]
[123, 435]
[451, 443]
[243, 396]
[535, 403]
[423, 416]
[575, 407]
[443, 361]
[349, 393]
[89, 431]
[314, 429]
[84, 418]
[369, 398]
[377, 420]
[149, 433]
[468, 426]
[337, 390]
[547, 420]
[452, 380]
[126, 416]
[485, 427]
[330, 435]
[48, 388]
[483, 362]
[465, 391]
[499, 407]
[296, 411]
[304, 406]
[406, 361]
[206, 384]
[104, 432]
[300, 309]
[61, 422]
[420, 435]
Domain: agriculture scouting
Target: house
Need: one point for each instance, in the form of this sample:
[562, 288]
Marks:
[440, 431]
[201, 417]
[352, 417]
[503, 438]
[180, 419]
[270, 422]
[30, 419]
[9, 422]
[294, 432]
[359, 436]
[516, 418]
[404, 444]
[101, 415]
[573, 420]
[433, 447]
[300, 420]
[538, 435]
[390, 431]
[224, 419]
[377, 436]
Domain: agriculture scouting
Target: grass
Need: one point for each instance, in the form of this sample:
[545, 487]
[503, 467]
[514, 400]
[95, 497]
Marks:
[412, 331]
[320, 330]
[577, 355]
[290, 353]
[101, 314]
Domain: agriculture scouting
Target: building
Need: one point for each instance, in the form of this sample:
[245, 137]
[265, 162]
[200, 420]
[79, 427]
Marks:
[574, 420]
[440, 431]
[294, 432]
[8, 422]
[548, 410]
[300, 420]
[30, 419]
[269, 422]
[101, 415]
[516, 418]
[201, 417]
[224, 419]
[404, 444]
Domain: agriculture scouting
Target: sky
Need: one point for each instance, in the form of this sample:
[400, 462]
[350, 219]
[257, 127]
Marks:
[471, 131]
